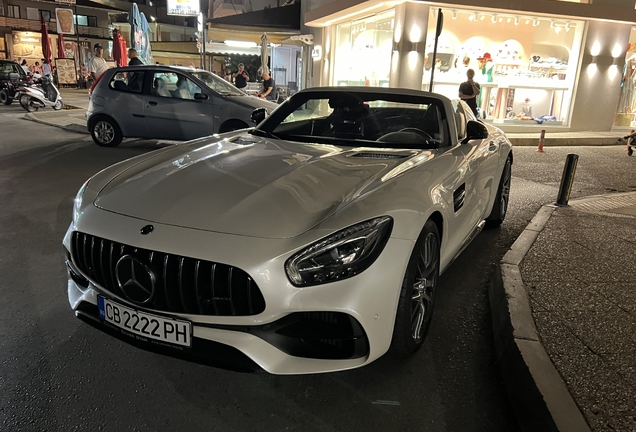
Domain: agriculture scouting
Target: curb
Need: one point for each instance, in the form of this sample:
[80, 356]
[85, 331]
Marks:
[539, 396]
[564, 142]
[71, 127]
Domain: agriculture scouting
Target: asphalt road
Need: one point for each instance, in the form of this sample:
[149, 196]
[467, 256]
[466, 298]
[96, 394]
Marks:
[58, 374]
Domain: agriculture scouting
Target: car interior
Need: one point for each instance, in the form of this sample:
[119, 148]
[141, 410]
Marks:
[352, 118]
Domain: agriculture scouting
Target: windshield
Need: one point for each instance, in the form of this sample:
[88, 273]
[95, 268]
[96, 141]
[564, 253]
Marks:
[359, 118]
[218, 84]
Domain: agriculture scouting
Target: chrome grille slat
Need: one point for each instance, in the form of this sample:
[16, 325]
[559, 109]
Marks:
[183, 284]
[212, 286]
[229, 287]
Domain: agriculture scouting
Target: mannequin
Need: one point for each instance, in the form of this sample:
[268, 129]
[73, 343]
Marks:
[486, 65]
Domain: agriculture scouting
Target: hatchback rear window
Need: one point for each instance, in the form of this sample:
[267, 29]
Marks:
[127, 81]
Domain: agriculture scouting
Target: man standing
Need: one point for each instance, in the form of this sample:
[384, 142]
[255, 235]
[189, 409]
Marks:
[134, 60]
[46, 68]
[469, 90]
[240, 77]
[97, 65]
[269, 88]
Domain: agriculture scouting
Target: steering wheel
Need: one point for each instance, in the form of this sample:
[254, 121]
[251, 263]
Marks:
[417, 131]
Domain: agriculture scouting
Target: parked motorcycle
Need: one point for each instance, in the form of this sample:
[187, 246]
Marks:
[47, 96]
[10, 89]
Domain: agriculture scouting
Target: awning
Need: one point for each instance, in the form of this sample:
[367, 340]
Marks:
[279, 23]
[188, 48]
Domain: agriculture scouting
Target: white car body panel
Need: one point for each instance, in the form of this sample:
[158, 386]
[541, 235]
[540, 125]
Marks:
[254, 203]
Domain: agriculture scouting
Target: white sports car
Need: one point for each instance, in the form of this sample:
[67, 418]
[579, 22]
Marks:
[311, 243]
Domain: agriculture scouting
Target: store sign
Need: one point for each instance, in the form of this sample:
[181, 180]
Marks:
[316, 52]
[27, 44]
[64, 19]
[183, 7]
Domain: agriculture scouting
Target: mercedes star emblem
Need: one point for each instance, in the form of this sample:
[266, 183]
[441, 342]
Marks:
[135, 279]
[147, 229]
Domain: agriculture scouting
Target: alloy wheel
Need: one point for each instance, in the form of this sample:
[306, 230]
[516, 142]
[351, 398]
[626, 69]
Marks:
[424, 287]
[104, 132]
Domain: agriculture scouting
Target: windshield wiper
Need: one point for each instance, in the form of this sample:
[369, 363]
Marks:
[260, 132]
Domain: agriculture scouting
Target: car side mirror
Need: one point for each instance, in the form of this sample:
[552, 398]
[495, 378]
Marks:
[200, 96]
[258, 115]
[475, 130]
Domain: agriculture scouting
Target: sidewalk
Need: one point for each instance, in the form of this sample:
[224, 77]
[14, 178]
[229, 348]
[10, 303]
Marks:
[563, 303]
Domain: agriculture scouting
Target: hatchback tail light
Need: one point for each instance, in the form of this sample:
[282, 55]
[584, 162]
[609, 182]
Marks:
[90, 90]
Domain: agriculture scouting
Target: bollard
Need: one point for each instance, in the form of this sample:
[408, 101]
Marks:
[541, 141]
[567, 179]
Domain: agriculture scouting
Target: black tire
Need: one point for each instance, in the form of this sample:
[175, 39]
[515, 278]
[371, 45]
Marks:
[630, 151]
[4, 97]
[105, 132]
[29, 104]
[417, 296]
[500, 207]
[232, 125]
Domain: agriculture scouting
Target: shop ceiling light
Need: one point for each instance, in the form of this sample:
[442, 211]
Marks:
[493, 19]
[535, 22]
[240, 44]
[516, 20]
[508, 20]
[473, 16]
[454, 14]
[567, 26]
[527, 21]
[552, 24]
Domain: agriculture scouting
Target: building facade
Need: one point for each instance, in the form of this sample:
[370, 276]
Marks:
[560, 66]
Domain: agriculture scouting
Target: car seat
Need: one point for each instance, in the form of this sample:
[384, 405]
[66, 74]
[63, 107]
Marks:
[160, 88]
[347, 118]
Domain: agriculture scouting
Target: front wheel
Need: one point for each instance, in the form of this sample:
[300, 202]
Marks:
[106, 132]
[417, 296]
[4, 97]
[58, 105]
[500, 207]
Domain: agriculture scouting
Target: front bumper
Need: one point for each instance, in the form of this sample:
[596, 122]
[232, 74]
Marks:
[282, 339]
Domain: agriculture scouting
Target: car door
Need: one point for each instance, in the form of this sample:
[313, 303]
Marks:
[464, 181]
[124, 101]
[172, 112]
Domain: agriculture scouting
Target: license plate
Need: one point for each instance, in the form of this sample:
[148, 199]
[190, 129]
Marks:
[144, 324]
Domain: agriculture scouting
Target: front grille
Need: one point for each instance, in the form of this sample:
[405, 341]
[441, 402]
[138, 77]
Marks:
[379, 155]
[182, 284]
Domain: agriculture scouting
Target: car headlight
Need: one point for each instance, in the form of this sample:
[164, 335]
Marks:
[77, 204]
[341, 255]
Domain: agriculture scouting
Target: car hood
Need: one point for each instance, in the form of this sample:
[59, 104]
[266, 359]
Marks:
[253, 102]
[250, 186]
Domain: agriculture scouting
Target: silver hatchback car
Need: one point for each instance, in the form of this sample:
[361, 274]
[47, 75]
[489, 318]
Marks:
[166, 102]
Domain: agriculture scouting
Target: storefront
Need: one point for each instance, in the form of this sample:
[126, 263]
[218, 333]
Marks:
[526, 65]
[534, 67]
[626, 113]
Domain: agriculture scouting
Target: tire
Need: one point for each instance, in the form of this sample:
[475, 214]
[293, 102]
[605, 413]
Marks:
[105, 132]
[417, 296]
[4, 97]
[58, 105]
[24, 100]
[232, 125]
[29, 104]
[500, 207]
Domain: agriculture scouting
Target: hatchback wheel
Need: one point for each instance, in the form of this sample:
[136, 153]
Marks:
[106, 133]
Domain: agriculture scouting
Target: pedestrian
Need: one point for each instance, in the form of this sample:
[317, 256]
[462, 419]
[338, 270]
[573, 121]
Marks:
[46, 68]
[25, 66]
[96, 64]
[269, 88]
[36, 69]
[134, 60]
[469, 90]
[240, 77]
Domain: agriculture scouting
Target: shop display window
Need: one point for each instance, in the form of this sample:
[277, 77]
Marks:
[526, 66]
[626, 113]
[363, 51]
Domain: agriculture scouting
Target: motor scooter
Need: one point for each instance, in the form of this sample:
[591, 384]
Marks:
[47, 96]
